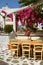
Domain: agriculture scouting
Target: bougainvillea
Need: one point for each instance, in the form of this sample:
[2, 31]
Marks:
[31, 15]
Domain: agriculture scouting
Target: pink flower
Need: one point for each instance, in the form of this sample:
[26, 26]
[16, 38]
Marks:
[40, 20]
[23, 22]
[29, 13]
[29, 23]
[33, 18]
[20, 12]
[36, 12]
[28, 19]
[35, 6]
[42, 23]
[28, 9]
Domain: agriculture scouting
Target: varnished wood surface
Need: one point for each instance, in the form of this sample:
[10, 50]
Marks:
[30, 42]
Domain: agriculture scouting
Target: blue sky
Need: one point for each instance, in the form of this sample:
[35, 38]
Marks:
[10, 3]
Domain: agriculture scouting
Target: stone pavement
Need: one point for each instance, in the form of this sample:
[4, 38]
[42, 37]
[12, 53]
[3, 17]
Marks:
[3, 63]
[41, 62]
[20, 62]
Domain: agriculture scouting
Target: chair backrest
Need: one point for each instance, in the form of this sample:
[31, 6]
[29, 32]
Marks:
[26, 50]
[38, 52]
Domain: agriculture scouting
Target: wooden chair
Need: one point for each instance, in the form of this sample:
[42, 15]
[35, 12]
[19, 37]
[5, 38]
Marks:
[38, 52]
[14, 46]
[26, 50]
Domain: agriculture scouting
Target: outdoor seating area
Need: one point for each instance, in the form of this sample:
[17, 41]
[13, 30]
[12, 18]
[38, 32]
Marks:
[21, 32]
[29, 49]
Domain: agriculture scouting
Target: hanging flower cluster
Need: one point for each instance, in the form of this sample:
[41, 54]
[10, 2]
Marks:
[31, 15]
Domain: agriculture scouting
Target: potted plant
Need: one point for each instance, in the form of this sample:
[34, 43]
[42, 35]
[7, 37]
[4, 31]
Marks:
[8, 28]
